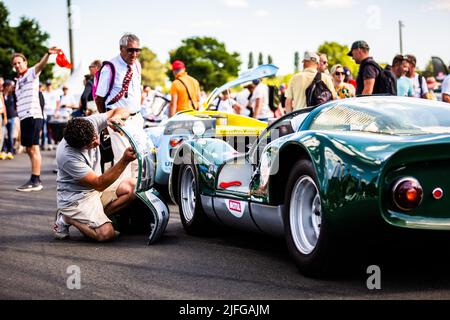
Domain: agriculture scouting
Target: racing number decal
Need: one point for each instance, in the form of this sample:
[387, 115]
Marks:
[236, 208]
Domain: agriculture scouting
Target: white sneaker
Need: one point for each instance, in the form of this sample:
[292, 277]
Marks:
[61, 228]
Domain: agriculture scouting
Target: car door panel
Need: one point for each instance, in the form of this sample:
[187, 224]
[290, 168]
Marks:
[234, 213]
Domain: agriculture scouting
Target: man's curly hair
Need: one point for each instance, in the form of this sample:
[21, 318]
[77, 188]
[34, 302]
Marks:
[79, 133]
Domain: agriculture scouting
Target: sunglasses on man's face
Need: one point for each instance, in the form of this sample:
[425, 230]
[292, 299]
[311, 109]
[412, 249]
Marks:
[134, 50]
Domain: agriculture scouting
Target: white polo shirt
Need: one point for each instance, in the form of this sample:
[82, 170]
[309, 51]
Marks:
[416, 85]
[133, 102]
[27, 93]
[446, 85]
[262, 92]
[226, 105]
[51, 102]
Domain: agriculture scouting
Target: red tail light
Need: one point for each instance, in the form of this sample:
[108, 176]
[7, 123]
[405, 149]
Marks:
[175, 142]
[438, 193]
[407, 194]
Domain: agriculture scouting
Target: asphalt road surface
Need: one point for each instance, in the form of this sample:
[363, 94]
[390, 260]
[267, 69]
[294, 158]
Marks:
[225, 266]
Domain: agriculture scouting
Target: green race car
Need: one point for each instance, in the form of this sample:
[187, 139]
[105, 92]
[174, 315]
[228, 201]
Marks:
[320, 174]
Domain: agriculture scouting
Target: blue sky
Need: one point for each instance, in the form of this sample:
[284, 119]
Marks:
[278, 27]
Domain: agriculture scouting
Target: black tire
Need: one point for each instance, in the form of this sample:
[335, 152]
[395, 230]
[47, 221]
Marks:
[194, 219]
[318, 263]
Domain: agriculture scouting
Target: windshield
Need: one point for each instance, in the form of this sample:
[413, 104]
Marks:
[394, 116]
[284, 126]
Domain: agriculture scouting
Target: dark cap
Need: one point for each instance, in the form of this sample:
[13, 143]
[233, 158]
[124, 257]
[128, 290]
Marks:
[358, 45]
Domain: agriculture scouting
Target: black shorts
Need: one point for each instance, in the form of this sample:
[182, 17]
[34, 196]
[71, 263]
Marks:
[30, 131]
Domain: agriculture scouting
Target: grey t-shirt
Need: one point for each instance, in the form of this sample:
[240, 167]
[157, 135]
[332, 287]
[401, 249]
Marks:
[75, 164]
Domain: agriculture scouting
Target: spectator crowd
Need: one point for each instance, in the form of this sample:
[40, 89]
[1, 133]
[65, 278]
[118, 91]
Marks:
[31, 122]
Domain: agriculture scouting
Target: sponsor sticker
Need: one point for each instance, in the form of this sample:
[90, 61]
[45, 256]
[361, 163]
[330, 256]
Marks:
[236, 208]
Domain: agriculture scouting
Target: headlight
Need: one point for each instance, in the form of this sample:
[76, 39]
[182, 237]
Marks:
[199, 128]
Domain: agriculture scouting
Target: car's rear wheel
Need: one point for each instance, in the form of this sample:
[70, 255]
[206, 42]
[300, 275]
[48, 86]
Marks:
[307, 231]
[191, 211]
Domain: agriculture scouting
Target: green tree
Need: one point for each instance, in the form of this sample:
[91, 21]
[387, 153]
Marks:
[251, 61]
[5, 40]
[269, 59]
[337, 54]
[296, 62]
[153, 71]
[207, 60]
[26, 38]
[260, 59]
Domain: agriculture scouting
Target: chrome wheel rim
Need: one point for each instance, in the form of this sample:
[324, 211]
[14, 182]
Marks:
[305, 215]
[188, 194]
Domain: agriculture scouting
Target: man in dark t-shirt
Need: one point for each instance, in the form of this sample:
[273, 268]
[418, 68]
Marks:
[368, 71]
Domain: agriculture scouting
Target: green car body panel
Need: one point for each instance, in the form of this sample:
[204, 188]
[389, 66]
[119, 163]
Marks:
[355, 171]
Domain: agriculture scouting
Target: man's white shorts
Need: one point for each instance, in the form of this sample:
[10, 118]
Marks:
[90, 210]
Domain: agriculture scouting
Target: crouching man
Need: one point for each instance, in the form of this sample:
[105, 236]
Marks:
[85, 197]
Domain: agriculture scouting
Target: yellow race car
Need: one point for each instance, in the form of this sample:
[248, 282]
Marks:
[239, 131]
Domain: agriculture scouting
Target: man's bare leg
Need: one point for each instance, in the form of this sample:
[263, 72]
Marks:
[125, 196]
[103, 234]
[35, 157]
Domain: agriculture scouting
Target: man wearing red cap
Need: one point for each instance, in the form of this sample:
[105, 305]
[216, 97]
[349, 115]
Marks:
[185, 90]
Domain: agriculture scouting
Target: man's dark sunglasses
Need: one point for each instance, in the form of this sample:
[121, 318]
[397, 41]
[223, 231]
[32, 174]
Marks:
[133, 50]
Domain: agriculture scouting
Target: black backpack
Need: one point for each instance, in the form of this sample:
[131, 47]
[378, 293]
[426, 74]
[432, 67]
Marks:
[318, 93]
[274, 98]
[386, 82]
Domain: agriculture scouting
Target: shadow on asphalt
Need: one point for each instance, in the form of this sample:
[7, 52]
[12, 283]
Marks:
[406, 257]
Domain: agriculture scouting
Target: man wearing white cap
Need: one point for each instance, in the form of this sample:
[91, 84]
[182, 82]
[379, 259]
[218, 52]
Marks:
[296, 93]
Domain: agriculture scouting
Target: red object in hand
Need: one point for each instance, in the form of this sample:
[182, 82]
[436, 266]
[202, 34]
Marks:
[227, 185]
[62, 60]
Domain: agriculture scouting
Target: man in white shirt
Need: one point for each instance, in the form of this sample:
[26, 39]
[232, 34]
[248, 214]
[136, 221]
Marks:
[67, 100]
[30, 113]
[148, 98]
[125, 93]
[446, 89]
[419, 82]
[227, 104]
[243, 98]
[51, 98]
[260, 102]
